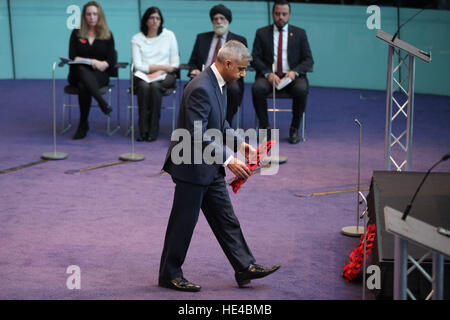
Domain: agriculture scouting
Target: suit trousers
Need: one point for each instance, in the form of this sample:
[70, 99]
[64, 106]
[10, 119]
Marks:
[88, 81]
[149, 102]
[297, 89]
[215, 203]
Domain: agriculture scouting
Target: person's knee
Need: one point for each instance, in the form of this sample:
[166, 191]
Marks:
[259, 89]
[141, 85]
[81, 86]
[299, 89]
[155, 87]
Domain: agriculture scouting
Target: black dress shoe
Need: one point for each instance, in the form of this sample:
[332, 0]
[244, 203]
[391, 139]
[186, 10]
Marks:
[180, 284]
[293, 136]
[142, 137]
[254, 271]
[106, 109]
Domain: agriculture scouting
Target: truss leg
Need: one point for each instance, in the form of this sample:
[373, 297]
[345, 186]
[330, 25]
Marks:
[400, 268]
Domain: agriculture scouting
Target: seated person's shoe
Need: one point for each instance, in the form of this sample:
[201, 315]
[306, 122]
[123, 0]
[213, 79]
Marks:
[152, 138]
[180, 284]
[106, 109]
[81, 131]
[254, 271]
[142, 137]
[293, 136]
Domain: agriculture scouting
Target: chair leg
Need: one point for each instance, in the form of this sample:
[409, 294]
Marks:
[108, 121]
[130, 108]
[64, 128]
[173, 110]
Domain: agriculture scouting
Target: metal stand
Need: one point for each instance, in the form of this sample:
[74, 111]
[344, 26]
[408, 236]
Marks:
[274, 159]
[404, 101]
[54, 155]
[403, 158]
[132, 156]
[421, 233]
[356, 231]
[364, 256]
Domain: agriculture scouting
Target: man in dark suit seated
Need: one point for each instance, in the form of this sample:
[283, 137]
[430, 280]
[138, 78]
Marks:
[199, 182]
[286, 47]
[205, 52]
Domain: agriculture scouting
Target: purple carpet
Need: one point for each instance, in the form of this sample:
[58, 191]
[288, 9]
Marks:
[111, 221]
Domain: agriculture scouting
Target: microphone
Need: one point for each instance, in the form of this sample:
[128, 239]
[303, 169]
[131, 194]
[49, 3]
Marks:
[408, 207]
[398, 30]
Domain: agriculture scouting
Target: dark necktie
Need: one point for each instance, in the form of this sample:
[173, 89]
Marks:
[216, 50]
[280, 53]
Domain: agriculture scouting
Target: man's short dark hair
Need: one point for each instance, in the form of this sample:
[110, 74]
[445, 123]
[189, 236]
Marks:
[281, 3]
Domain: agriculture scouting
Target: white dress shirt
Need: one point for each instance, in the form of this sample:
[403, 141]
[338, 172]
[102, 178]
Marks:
[159, 50]
[219, 77]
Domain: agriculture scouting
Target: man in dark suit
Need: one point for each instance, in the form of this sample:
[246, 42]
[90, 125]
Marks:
[200, 184]
[205, 51]
[286, 47]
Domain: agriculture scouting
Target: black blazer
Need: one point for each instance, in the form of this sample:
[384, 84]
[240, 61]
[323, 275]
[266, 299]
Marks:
[300, 58]
[201, 48]
[202, 101]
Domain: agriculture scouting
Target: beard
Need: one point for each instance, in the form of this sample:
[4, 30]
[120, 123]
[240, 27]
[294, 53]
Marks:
[220, 29]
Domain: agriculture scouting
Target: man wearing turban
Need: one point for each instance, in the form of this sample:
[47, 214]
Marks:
[205, 52]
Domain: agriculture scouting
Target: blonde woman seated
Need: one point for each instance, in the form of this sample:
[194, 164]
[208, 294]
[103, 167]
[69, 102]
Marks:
[155, 53]
[93, 41]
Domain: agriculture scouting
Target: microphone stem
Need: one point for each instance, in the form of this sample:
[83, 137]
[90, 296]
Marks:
[408, 207]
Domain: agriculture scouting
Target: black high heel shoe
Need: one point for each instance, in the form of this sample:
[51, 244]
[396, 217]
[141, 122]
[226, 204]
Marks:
[81, 131]
[106, 109]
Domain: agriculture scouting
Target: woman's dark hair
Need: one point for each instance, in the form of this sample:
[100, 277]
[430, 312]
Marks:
[147, 14]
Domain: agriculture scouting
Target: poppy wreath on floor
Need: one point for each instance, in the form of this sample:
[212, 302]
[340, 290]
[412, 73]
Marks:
[352, 268]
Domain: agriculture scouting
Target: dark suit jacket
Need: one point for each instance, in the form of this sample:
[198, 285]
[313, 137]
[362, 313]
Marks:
[300, 58]
[201, 48]
[202, 101]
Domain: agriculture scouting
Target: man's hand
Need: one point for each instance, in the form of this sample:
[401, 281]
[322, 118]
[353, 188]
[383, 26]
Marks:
[290, 74]
[248, 151]
[194, 72]
[239, 168]
[271, 78]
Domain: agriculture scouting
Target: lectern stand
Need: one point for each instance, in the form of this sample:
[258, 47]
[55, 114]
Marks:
[404, 101]
[425, 235]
